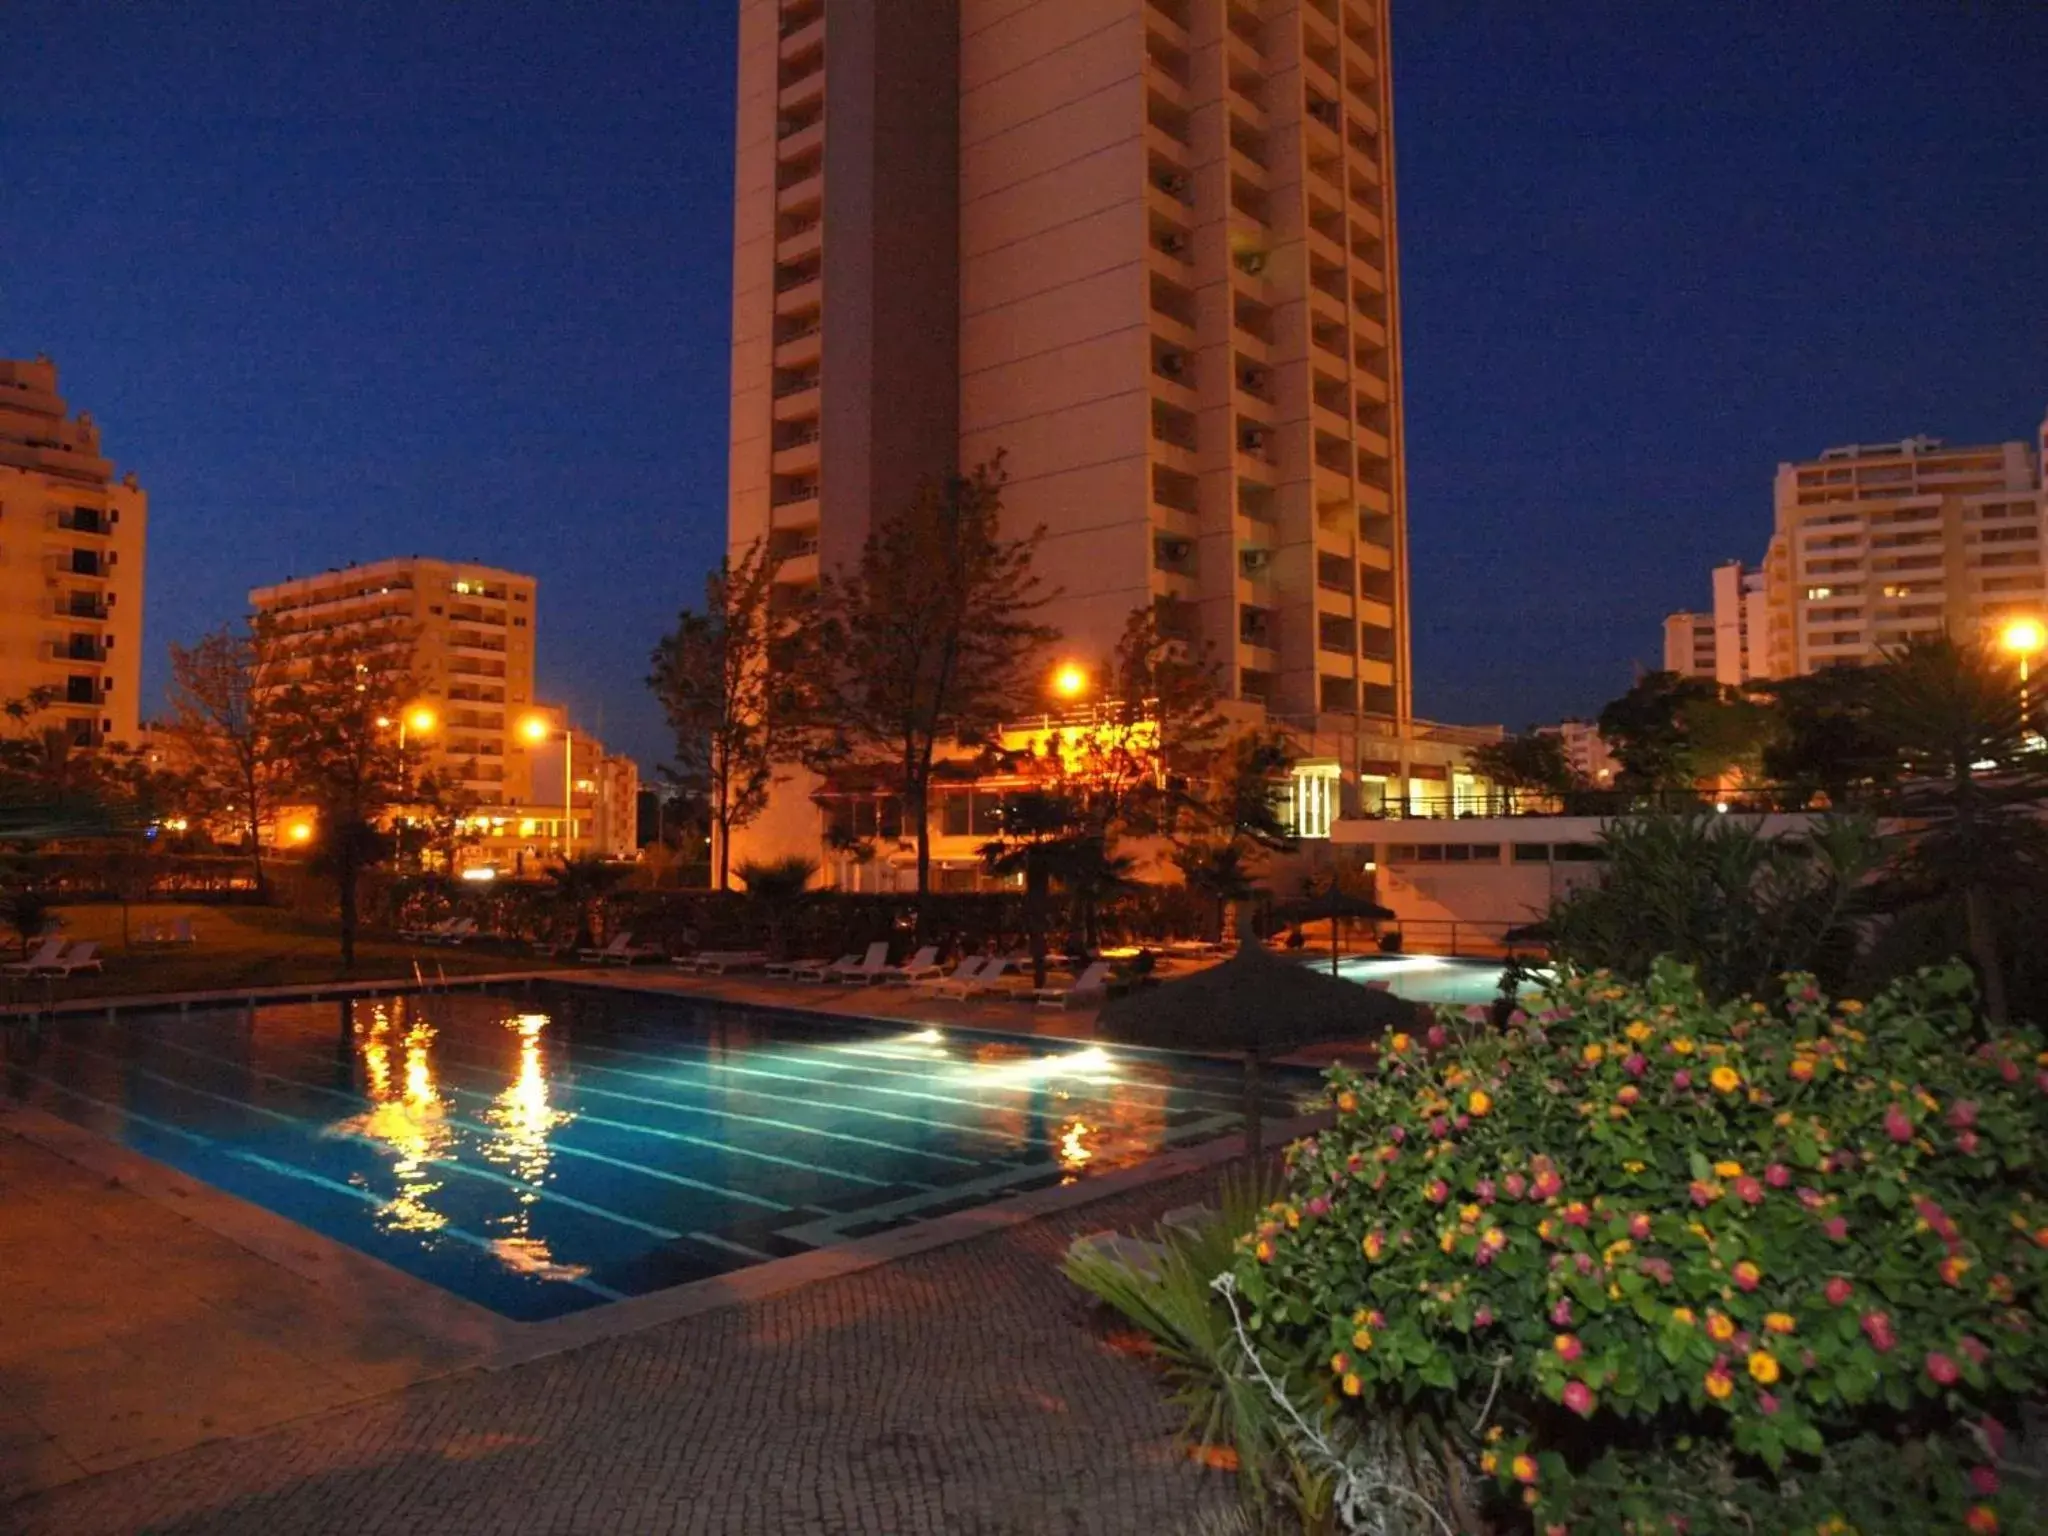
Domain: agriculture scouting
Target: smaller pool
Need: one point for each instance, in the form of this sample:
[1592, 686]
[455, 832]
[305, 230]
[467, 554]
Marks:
[1427, 978]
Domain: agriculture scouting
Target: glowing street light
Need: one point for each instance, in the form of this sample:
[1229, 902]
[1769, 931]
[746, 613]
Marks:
[1070, 681]
[537, 729]
[301, 832]
[2023, 637]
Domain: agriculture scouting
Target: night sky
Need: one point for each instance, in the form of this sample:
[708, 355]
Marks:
[346, 282]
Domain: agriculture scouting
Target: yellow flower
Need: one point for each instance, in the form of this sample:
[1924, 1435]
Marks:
[1372, 1245]
[1593, 1053]
[1524, 1468]
[1362, 1339]
[1634, 1165]
[1682, 1315]
[1720, 1326]
[1352, 1385]
[1725, 1079]
[1719, 1385]
[1263, 1252]
[1347, 1101]
[1399, 1043]
[1764, 1367]
[1494, 1433]
[1682, 1045]
[1479, 1103]
[1469, 1213]
[1489, 1463]
[1339, 1363]
[1449, 1240]
[1852, 1006]
[1728, 1170]
[1638, 1031]
[1779, 1322]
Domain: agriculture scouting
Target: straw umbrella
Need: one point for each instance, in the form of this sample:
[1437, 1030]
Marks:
[1336, 905]
[1254, 1005]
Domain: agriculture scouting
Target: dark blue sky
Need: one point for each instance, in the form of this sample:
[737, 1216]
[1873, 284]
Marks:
[350, 281]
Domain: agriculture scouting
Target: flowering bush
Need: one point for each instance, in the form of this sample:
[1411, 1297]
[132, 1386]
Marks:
[1660, 1264]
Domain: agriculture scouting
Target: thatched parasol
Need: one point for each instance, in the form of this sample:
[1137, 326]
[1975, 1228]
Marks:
[1255, 1005]
[1336, 905]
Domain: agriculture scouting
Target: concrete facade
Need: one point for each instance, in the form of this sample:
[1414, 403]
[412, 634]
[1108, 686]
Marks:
[1689, 644]
[72, 537]
[1147, 249]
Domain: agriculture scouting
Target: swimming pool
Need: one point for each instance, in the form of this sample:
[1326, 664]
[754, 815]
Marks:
[542, 1152]
[1427, 978]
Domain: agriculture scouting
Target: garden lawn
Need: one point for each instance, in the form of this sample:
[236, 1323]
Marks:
[241, 946]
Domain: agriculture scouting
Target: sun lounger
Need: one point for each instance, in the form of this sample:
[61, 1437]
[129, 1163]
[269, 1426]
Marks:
[45, 954]
[814, 971]
[620, 943]
[1091, 983]
[717, 962]
[876, 957]
[460, 931]
[82, 956]
[782, 970]
[964, 983]
[875, 967]
[924, 963]
[961, 974]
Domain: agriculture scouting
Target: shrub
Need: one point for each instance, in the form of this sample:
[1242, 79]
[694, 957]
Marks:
[1660, 1263]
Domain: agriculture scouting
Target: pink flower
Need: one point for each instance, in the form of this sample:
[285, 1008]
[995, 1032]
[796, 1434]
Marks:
[1576, 1214]
[1568, 1348]
[1975, 1349]
[1812, 1199]
[1547, 1185]
[1836, 1228]
[1514, 1184]
[1941, 1368]
[1766, 1403]
[1318, 1205]
[1777, 1175]
[1438, 1192]
[1561, 1314]
[1657, 1269]
[1878, 1329]
[1966, 1143]
[1984, 1480]
[1438, 1036]
[1627, 1096]
[1578, 1397]
[1635, 1064]
[2009, 1070]
[1398, 1134]
[1963, 1114]
[1583, 1263]
[1748, 1191]
[1639, 1226]
[1994, 1435]
[1485, 1191]
[1702, 1193]
[1681, 1079]
[1439, 1127]
[1896, 1125]
[1462, 1122]
[1483, 1318]
[1839, 1291]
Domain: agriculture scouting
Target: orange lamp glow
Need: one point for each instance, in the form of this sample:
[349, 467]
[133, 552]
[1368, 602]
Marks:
[301, 832]
[534, 728]
[2024, 636]
[1070, 682]
[421, 720]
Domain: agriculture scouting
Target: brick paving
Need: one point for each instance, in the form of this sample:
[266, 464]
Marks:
[959, 1391]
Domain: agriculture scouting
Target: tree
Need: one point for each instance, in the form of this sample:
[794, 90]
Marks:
[1217, 871]
[931, 638]
[1958, 730]
[1039, 831]
[224, 688]
[579, 886]
[717, 675]
[324, 724]
[777, 887]
[1822, 740]
[1533, 760]
[1673, 732]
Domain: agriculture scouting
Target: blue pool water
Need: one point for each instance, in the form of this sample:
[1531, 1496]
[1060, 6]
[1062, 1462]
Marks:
[1427, 978]
[546, 1151]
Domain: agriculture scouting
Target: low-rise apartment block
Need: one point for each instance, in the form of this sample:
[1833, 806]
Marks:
[71, 553]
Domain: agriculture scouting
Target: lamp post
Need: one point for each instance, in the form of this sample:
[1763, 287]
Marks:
[2023, 637]
[536, 729]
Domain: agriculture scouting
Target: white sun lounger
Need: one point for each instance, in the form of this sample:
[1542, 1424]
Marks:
[816, 971]
[924, 963]
[1092, 982]
[83, 956]
[615, 950]
[717, 962]
[46, 953]
[875, 967]
[960, 976]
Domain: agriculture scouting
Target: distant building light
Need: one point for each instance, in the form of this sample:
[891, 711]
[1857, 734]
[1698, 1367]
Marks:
[481, 872]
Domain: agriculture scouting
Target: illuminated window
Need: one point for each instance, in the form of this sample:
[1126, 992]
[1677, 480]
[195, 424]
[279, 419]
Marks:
[1815, 594]
[1314, 798]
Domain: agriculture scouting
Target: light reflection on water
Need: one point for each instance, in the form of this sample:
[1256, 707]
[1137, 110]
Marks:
[409, 1119]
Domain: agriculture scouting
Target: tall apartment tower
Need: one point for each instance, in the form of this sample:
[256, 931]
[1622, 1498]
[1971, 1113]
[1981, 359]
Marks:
[1143, 247]
[1877, 543]
[473, 646]
[1689, 644]
[71, 549]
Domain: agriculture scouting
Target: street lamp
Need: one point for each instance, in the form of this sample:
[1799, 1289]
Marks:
[2023, 637]
[537, 729]
[1070, 681]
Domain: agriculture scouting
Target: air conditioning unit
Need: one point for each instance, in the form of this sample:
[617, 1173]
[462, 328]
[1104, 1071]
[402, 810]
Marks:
[1252, 378]
[1252, 263]
[1253, 561]
[1174, 182]
[1174, 551]
[1172, 364]
[1173, 245]
[1254, 438]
